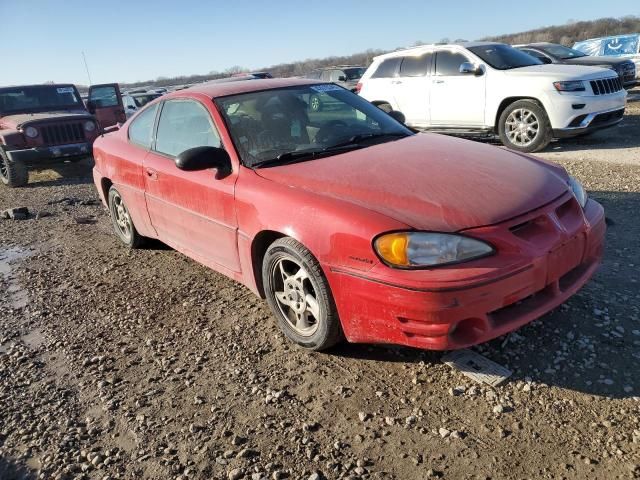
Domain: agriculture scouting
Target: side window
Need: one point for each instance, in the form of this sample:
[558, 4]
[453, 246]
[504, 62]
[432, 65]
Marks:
[184, 124]
[387, 68]
[540, 56]
[448, 63]
[141, 127]
[415, 66]
[104, 96]
[335, 75]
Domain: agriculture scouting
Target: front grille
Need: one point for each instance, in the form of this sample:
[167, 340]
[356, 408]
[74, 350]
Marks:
[62, 133]
[606, 86]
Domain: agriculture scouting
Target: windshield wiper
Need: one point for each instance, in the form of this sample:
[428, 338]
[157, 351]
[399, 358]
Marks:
[300, 155]
[356, 139]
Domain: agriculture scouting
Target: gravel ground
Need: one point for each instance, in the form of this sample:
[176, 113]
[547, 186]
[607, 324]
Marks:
[144, 364]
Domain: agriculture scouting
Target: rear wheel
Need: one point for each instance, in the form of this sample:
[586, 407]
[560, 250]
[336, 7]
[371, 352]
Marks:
[299, 295]
[524, 126]
[122, 222]
[315, 103]
[12, 174]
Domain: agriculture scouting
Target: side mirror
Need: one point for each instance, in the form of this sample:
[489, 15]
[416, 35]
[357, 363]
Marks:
[470, 68]
[131, 107]
[546, 60]
[398, 116]
[342, 78]
[202, 158]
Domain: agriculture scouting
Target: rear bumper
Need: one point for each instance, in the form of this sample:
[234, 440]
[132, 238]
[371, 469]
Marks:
[590, 122]
[38, 155]
[451, 317]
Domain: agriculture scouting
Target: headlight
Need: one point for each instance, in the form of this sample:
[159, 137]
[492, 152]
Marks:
[31, 132]
[571, 86]
[425, 249]
[89, 126]
[578, 191]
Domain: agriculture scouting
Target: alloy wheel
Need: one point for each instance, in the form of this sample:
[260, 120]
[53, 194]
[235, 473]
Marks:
[522, 127]
[122, 218]
[295, 296]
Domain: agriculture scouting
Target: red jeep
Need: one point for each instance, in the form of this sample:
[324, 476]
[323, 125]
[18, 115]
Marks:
[43, 124]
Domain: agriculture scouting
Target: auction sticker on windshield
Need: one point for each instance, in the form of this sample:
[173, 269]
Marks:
[325, 88]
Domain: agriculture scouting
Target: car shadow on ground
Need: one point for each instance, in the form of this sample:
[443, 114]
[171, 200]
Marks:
[590, 344]
[69, 173]
[10, 470]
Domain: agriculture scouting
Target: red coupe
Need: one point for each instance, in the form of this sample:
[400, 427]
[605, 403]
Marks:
[347, 222]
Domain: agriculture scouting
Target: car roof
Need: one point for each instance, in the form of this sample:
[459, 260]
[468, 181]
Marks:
[216, 89]
[39, 85]
[536, 44]
[431, 46]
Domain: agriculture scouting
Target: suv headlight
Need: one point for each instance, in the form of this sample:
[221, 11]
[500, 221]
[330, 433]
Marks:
[427, 249]
[570, 86]
[31, 132]
[89, 126]
[578, 191]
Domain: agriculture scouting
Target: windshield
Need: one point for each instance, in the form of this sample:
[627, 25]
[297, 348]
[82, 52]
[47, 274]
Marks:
[354, 73]
[142, 100]
[504, 57]
[39, 98]
[276, 126]
[562, 52]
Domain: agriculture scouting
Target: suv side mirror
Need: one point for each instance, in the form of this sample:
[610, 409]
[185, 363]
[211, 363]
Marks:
[342, 78]
[470, 68]
[398, 116]
[202, 158]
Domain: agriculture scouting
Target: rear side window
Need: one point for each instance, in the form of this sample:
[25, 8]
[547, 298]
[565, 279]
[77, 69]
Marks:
[141, 127]
[448, 63]
[387, 68]
[415, 66]
[184, 124]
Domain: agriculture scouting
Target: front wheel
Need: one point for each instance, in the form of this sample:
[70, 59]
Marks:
[12, 174]
[524, 126]
[122, 222]
[299, 295]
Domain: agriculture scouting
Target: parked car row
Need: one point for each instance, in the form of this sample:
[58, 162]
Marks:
[492, 88]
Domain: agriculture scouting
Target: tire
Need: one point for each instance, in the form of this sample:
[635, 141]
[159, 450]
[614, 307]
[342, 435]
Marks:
[385, 107]
[524, 126]
[315, 104]
[290, 275]
[122, 222]
[12, 174]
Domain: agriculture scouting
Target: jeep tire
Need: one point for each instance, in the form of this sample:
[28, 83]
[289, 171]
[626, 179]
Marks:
[12, 174]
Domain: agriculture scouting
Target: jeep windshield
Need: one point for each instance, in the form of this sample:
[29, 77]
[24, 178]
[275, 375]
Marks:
[504, 57]
[39, 98]
[274, 127]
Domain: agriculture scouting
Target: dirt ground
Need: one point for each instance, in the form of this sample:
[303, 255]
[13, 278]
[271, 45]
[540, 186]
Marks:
[144, 364]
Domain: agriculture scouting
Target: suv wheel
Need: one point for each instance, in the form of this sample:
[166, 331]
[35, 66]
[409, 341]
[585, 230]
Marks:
[299, 295]
[315, 103]
[524, 126]
[12, 174]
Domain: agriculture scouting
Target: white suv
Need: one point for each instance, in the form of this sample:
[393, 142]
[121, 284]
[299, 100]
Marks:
[491, 88]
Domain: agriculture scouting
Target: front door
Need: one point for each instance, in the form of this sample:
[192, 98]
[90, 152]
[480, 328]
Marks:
[105, 102]
[457, 99]
[192, 211]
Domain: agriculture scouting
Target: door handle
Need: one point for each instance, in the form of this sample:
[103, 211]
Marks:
[151, 174]
[438, 81]
[396, 82]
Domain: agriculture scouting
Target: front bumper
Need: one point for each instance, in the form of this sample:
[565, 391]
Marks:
[38, 155]
[591, 122]
[549, 259]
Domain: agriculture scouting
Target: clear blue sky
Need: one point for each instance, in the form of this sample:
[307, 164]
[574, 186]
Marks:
[139, 40]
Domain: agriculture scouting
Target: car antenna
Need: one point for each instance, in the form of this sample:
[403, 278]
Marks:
[86, 67]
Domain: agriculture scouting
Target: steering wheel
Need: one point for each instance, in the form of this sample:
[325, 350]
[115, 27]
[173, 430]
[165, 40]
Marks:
[329, 131]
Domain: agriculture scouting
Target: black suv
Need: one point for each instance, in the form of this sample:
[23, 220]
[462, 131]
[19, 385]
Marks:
[555, 53]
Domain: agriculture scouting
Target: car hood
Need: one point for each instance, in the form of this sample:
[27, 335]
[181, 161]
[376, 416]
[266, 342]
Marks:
[595, 61]
[431, 182]
[562, 72]
[18, 120]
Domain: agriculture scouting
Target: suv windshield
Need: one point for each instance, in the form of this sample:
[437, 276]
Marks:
[561, 51]
[39, 98]
[504, 57]
[354, 73]
[278, 126]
